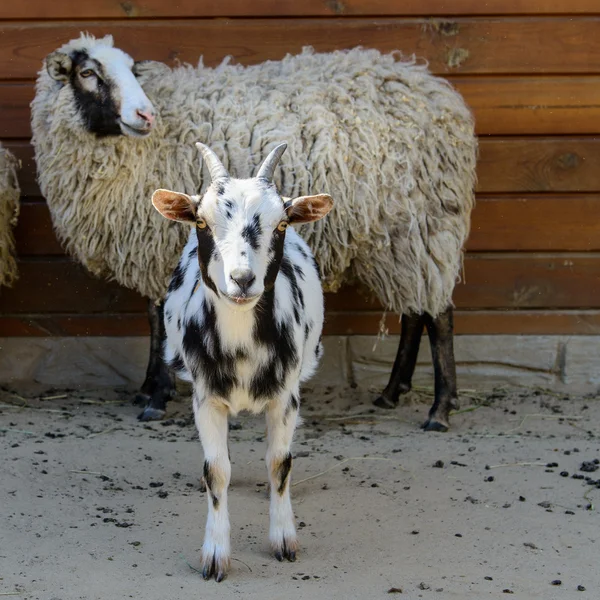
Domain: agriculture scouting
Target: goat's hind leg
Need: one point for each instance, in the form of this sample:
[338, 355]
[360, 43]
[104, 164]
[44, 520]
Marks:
[406, 360]
[441, 338]
[159, 385]
[282, 418]
[211, 421]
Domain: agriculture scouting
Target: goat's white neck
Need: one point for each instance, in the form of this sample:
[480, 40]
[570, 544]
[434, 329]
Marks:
[235, 325]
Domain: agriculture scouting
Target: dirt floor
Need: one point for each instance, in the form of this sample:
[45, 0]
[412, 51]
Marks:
[95, 505]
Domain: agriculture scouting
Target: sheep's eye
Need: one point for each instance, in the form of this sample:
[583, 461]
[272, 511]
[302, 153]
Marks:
[201, 224]
[86, 73]
[282, 226]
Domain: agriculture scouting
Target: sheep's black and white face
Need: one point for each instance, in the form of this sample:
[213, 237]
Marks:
[241, 225]
[109, 99]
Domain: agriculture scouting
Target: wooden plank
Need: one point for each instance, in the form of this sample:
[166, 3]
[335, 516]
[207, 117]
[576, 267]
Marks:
[15, 113]
[513, 165]
[533, 105]
[34, 234]
[47, 286]
[501, 105]
[529, 322]
[504, 281]
[493, 281]
[509, 45]
[559, 164]
[480, 322]
[24, 327]
[106, 9]
[134, 324]
[23, 150]
[526, 281]
[547, 222]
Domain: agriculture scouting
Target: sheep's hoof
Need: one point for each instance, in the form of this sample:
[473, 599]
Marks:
[155, 406]
[151, 414]
[286, 549]
[435, 425]
[391, 399]
[141, 399]
[384, 402]
[215, 567]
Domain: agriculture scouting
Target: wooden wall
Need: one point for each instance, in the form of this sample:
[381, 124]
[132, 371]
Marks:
[530, 70]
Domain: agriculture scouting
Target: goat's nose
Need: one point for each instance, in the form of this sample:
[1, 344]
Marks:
[147, 116]
[244, 278]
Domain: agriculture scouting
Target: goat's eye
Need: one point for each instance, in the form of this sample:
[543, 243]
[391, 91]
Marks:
[86, 73]
[282, 226]
[201, 224]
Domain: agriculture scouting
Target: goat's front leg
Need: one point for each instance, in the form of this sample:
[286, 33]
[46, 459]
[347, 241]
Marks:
[211, 421]
[282, 418]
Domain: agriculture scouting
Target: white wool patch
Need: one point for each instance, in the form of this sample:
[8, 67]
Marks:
[393, 145]
[9, 212]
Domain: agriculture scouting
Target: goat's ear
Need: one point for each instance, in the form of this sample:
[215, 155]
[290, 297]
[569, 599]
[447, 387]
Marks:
[175, 206]
[59, 66]
[306, 209]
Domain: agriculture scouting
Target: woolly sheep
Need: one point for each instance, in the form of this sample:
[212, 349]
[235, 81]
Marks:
[394, 144]
[244, 314]
[9, 212]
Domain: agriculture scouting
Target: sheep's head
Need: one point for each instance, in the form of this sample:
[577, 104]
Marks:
[109, 99]
[241, 226]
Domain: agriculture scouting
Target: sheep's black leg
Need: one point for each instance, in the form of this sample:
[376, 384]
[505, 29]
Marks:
[441, 338]
[148, 385]
[159, 385]
[406, 360]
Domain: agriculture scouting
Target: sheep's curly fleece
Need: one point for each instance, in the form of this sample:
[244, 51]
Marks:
[393, 145]
[9, 212]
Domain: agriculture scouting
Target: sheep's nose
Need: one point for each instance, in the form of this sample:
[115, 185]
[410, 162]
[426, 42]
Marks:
[147, 116]
[244, 278]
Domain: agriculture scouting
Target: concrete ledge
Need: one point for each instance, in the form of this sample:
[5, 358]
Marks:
[557, 362]
[562, 363]
[82, 362]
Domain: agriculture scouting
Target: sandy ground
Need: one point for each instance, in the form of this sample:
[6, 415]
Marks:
[98, 506]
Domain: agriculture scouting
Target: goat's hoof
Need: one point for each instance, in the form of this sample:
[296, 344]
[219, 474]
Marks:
[213, 566]
[286, 549]
[435, 425]
[151, 414]
[384, 402]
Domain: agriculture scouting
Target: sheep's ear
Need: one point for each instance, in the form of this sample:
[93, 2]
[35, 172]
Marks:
[153, 68]
[59, 66]
[306, 209]
[107, 40]
[175, 206]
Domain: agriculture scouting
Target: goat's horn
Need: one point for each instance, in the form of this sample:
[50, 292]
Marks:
[268, 167]
[215, 166]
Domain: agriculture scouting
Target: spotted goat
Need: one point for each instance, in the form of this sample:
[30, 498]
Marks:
[243, 317]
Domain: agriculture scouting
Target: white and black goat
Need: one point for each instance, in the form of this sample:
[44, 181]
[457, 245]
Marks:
[243, 316]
